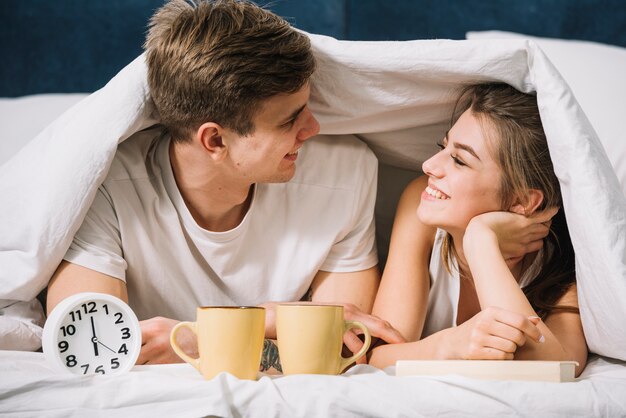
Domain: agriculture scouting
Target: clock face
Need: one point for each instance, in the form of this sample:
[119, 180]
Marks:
[91, 333]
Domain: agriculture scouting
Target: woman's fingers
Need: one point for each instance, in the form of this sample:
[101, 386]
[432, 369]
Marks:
[377, 327]
[490, 353]
[507, 333]
[496, 334]
[545, 216]
[537, 231]
[534, 246]
[354, 344]
[352, 341]
[519, 322]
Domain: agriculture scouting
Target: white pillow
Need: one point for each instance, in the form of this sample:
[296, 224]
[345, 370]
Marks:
[22, 118]
[596, 73]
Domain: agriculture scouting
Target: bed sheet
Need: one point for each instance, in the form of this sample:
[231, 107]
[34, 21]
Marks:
[28, 387]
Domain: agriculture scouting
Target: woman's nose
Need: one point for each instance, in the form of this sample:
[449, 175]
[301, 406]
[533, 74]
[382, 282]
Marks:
[432, 166]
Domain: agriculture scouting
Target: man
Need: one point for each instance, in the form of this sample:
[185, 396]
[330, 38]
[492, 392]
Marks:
[209, 208]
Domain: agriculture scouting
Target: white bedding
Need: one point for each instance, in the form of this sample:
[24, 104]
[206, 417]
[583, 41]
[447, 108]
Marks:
[29, 388]
[397, 97]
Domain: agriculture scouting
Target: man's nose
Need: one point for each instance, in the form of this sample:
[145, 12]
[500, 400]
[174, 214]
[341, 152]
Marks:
[310, 128]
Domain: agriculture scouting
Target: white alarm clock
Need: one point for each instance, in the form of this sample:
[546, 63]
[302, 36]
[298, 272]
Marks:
[92, 333]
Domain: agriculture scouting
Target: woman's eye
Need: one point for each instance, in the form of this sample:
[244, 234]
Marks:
[440, 145]
[457, 161]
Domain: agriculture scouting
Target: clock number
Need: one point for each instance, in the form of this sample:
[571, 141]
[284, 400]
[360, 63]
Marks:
[76, 314]
[119, 320]
[92, 307]
[85, 367]
[71, 360]
[125, 333]
[115, 363]
[106, 308]
[123, 349]
[100, 370]
[63, 345]
[68, 330]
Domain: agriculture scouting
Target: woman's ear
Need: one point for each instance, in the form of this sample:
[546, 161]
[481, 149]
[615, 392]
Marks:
[534, 198]
[210, 136]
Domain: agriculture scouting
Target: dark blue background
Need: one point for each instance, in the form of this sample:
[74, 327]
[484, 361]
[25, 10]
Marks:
[78, 45]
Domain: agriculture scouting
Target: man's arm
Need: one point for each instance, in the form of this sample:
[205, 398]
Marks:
[356, 288]
[70, 279]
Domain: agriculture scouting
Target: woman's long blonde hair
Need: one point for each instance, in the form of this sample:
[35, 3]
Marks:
[519, 147]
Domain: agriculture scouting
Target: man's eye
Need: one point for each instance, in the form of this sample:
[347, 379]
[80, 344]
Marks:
[289, 124]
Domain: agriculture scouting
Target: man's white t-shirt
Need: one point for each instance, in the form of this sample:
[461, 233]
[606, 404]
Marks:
[139, 230]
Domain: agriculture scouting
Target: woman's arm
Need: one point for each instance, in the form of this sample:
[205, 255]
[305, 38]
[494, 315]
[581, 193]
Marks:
[496, 287]
[492, 334]
[402, 296]
[567, 329]
[474, 339]
[434, 347]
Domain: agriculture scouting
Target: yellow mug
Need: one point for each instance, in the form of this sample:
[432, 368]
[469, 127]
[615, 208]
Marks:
[230, 339]
[310, 338]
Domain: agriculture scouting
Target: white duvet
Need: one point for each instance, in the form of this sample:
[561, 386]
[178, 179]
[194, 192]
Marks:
[30, 388]
[396, 96]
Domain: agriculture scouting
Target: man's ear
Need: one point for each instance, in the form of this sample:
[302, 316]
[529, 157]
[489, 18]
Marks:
[534, 199]
[210, 136]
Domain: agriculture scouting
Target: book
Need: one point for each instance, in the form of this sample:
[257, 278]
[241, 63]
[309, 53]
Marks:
[537, 370]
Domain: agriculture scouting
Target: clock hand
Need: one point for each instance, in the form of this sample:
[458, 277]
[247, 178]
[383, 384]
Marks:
[94, 339]
[113, 351]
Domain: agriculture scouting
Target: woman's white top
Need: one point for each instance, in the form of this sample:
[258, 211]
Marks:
[443, 298]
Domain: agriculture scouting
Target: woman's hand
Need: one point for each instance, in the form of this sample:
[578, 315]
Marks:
[493, 334]
[377, 327]
[517, 234]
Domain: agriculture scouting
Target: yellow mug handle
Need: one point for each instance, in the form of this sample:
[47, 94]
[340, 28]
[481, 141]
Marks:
[345, 362]
[195, 362]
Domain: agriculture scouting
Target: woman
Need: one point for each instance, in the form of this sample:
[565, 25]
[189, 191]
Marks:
[471, 276]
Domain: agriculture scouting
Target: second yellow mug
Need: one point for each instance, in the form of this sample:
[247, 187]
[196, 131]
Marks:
[230, 339]
[310, 338]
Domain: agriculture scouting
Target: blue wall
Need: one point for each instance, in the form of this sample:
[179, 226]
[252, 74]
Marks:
[78, 45]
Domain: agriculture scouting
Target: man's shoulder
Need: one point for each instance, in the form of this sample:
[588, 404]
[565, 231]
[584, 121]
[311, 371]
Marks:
[337, 161]
[135, 157]
[339, 144]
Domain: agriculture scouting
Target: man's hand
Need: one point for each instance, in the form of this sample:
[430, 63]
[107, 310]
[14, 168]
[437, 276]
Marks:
[517, 234]
[493, 334]
[270, 319]
[155, 340]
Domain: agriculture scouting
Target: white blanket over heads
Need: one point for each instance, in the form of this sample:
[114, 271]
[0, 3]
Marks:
[396, 96]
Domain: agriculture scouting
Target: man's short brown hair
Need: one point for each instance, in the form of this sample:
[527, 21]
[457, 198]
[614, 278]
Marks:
[218, 60]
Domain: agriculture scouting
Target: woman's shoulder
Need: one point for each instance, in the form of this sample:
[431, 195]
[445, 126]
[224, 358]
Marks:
[407, 226]
[569, 297]
[417, 186]
[411, 195]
